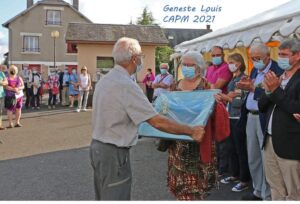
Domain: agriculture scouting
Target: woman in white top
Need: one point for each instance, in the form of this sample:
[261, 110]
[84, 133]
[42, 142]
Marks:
[84, 87]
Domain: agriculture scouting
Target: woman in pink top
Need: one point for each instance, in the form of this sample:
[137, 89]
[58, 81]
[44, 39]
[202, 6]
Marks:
[149, 78]
[14, 96]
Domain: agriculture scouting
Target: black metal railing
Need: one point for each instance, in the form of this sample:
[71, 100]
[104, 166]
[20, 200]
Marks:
[31, 49]
[53, 22]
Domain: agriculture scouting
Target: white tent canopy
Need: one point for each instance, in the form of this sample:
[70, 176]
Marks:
[278, 22]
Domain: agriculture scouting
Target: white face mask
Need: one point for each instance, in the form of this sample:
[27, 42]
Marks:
[232, 67]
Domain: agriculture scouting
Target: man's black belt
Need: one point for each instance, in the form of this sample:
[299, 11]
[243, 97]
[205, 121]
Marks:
[254, 112]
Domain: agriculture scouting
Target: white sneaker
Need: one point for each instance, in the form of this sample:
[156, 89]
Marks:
[77, 110]
[84, 110]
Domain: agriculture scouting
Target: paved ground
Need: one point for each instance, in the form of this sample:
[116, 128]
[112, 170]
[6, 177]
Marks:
[48, 159]
[47, 133]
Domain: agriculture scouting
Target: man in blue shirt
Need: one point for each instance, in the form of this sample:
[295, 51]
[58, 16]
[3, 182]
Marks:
[254, 121]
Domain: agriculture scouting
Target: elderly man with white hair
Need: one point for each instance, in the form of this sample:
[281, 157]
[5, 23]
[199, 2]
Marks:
[119, 106]
[163, 81]
[254, 121]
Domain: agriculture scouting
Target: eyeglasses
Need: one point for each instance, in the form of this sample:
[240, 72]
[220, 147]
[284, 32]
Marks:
[285, 54]
[188, 65]
[256, 59]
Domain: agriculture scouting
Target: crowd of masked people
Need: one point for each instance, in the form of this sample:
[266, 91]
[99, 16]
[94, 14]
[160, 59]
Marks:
[262, 150]
[28, 86]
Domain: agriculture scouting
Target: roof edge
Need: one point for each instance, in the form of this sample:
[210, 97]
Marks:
[6, 24]
[110, 42]
[91, 23]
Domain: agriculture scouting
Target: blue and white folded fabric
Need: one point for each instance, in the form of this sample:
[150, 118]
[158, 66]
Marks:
[186, 107]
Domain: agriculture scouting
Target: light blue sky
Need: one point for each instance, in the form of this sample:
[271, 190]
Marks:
[8, 9]
[100, 11]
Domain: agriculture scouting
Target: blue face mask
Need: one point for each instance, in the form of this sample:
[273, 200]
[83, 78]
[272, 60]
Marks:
[188, 72]
[284, 63]
[259, 65]
[217, 60]
[163, 71]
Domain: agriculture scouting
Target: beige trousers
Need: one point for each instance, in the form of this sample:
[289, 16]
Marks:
[65, 95]
[283, 175]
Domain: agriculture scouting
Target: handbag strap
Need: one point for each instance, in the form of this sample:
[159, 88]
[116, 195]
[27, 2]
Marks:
[163, 78]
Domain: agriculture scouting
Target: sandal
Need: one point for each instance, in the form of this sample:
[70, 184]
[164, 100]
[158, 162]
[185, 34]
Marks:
[18, 125]
[10, 126]
[2, 128]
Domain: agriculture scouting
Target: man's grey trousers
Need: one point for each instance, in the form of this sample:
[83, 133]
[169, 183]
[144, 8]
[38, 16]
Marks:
[255, 157]
[112, 171]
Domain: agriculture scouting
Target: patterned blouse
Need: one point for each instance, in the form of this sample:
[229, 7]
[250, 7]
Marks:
[188, 177]
[53, 81]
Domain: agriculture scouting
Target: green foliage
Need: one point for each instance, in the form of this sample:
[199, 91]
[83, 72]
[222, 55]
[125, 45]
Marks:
[162, 54]
[146, 18]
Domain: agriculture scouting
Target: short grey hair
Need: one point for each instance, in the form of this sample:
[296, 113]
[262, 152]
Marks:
[259, 47]
[291, 44]
[124, 49]
[197, 57]
[164, 65]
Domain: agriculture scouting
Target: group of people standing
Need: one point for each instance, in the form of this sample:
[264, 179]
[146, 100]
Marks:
[75, 87]
[68, 86]
[248, 153]
[266, 111]
[263, 113]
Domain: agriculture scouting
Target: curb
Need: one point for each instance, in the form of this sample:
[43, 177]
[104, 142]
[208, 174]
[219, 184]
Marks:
[44, 113]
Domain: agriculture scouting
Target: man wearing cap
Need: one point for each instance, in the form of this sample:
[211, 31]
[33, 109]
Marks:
[119, 106]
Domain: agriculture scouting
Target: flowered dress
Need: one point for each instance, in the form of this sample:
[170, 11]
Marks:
[73, 90]
[14, 83]
[188, 177]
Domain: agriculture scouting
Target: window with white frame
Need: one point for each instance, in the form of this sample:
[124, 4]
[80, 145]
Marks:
[53, 17]
[31, 44]
[105, 63]
[51, 69]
